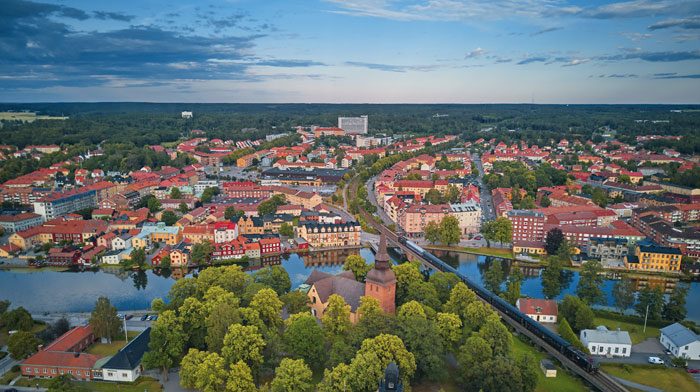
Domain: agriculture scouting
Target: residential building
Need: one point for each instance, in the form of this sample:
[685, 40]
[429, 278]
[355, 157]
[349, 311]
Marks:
[540, 310]
[125, 365]
[608, 249]
[234, 249]
[601, 341]
[57, 204]
[63, 256]
[201, 185]
[654, 258]
[680, 341]
[356, 125]
[273, 222]
[269, 245]
[292, 196]
[414, 218]
[19, 222]
[469, 217]
[65, 355]
[225, 232]
[529, 248]
[122, 241]
[330, 234]
[250, 225]
[528, 225]
[112, 257]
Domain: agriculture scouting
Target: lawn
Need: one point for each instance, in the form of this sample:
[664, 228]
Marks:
[668, 379]
[143, 384]
[8, 376]
[563, 382]
[497, 252]
[634, 329]
[110, 348]
[38, 327]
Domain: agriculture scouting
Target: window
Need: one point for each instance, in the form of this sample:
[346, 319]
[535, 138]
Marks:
[617, 349]
[70, 372]
[624, 350]
[53, 371]
[46, 370]
[125, 375]
[36, 370]
[77, 372]
[29, 370]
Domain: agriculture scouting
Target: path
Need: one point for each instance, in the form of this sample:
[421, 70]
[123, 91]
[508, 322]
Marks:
[641, 387]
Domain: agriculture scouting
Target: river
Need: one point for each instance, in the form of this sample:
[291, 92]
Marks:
[46, 290]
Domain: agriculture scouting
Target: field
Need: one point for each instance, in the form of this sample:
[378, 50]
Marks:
[27, 116]
[497, 252]
[635, 330]
[38, 327]
[654, 376]
[110, 348]
[563, 382]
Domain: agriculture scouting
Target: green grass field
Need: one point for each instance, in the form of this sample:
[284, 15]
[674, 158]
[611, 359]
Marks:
[497, 252]
[110, 348]
[563, 382]
[143, 384]
[668, 379]
[635, 330]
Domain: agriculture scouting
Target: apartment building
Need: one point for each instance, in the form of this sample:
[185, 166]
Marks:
[528, 225]
[414, 218]
[654, 258]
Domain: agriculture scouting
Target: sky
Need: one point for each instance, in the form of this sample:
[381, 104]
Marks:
[354, 51]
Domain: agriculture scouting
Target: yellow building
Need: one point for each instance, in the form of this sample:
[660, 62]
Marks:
[529, 247]
[250, 225]
[654, 258]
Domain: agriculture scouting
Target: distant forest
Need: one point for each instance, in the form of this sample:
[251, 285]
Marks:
[155, 123]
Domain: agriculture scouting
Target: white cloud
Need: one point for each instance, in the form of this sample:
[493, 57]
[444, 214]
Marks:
[475, 54]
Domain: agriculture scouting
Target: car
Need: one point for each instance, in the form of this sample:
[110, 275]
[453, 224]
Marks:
[656, 360]
[120, 316]
[692, 370]
[144, 317]
[154, 318]
[129, 316]
[11, 390]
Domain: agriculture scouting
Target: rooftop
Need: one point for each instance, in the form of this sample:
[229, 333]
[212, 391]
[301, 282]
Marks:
[602, 335]
[679, 334]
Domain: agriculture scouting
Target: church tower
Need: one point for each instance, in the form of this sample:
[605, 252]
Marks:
[381, 280]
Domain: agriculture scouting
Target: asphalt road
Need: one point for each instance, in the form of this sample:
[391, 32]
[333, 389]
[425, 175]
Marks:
[487, 212]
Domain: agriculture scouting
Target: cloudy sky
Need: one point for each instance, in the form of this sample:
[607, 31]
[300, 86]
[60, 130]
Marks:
[417, 51]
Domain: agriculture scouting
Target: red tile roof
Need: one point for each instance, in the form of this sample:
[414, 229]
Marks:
[545, 306]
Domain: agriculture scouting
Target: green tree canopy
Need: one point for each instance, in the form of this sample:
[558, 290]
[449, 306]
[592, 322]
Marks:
[104, 320]
[292, 376]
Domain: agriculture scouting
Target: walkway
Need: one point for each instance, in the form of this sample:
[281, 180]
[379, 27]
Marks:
[637, 386]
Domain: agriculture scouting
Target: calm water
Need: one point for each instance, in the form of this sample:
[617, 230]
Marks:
[73, 291]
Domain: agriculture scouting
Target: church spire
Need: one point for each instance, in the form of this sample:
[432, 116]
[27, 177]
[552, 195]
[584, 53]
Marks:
[381, 259]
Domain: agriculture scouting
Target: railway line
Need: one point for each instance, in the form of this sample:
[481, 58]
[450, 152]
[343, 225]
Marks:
[598, 379]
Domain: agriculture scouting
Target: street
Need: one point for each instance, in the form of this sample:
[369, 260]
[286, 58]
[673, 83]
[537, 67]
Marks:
[487, 211]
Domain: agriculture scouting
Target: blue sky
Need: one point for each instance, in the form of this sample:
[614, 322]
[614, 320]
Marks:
[418, 51]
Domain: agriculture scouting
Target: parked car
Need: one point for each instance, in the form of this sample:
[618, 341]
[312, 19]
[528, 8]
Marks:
[144, 317]
[154, 318]
[120, 316]
[656, 360]
[129, 316]
[692, 370]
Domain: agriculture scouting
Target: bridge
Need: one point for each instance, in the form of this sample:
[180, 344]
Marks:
[599, 380]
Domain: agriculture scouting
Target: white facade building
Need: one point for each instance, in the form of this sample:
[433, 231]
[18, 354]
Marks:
[125, 365]
[600, 341]
[353, 124]
[186, 114]
[201, 185]
[680, 341]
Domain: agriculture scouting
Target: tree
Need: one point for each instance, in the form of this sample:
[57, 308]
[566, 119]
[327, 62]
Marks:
[449, 230]
[168, 217]
[17, 319]
[489, 232]
[568, 334]
[296, 302]
[336, 318]
[452, 194]
[590, 281]
[577, 312]
[358, 265]
[375, 355]
[422, 338]
[62, 383]
[494, 277]
[623, 294]
[373, 321]
[304, 338]
[515, 279]
[553, 241]
[599, 197]
[431, 232]
[286, 230]
[674, 309]
[274, 277]
[104, 320]
[138, 256]
[433, 196]
[545, 201]
[292, 376]
[551, 278]
[496, 335]
[527, 203]
[268, 305]
[460, 297]
[231, 212]
[182, 207]
[175, 193]
[165, 262]
[244, 343]
[240, 378]
[406, 274]
[20, 344]
[4, 305]
[503, 230]
[167, 345]
[624, 179]
[192, 314]
[443, 282]
[336, 380]
[201, 252]
[222, 314]
[450, 327]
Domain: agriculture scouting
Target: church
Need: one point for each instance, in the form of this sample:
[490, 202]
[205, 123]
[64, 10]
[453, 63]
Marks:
[380, 283]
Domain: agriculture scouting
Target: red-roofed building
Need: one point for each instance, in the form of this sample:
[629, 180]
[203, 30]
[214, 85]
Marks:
[269, 245]
[65, 356]
[540, 310]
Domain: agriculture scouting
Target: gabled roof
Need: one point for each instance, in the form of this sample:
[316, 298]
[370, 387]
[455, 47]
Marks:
[679, 335]
[129, 357]
[343, 284]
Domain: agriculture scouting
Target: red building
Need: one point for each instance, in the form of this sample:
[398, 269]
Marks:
[65, 356]
[269, 245]
[528, 225]
[63, 256]
[246, 189]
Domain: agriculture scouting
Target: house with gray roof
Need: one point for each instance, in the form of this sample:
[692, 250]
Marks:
[601, 341]
[680, 341]
[323, 285]
[125, 365]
